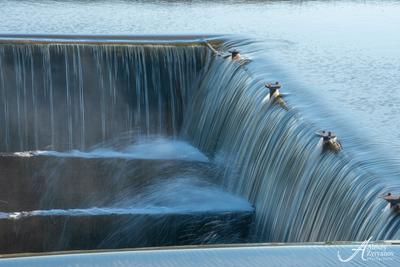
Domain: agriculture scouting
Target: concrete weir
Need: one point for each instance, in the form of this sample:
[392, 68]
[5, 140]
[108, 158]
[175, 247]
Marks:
[311, 254]
[74, 203]
[48, 182]
[93, 103]
[44, 233]
[91, 155]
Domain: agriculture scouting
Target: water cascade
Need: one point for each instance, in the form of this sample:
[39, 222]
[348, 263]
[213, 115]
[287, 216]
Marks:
[273, 158]
[138, 131]
[63, 97]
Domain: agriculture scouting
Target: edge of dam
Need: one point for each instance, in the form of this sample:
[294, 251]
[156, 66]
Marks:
[109, 39]
[395, 243]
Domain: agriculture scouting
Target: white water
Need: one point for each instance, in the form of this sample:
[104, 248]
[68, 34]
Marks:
[185, 195]
[156, 149]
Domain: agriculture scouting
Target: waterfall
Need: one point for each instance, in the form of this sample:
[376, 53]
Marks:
[67, 97]
[273, 158]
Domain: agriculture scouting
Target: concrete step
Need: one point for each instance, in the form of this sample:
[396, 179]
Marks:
[51, 203]
[48, 182]
[60, 232]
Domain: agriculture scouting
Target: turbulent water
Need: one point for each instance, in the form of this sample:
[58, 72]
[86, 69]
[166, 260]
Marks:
[64, 97]
[195, 196]
[155, 149]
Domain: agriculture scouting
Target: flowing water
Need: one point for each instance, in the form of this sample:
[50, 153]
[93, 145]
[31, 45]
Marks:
[149, 148]
[345, 53]
[175, 100]
[293, 255]
[53, 82]
[299, 194]
[269, 155]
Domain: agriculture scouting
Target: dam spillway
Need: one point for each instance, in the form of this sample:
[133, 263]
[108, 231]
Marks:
[66, 201]
[99, 91]
[91, 156]
[63, 98]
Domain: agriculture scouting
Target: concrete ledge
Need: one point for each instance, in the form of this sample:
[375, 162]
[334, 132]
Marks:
[237, 255]
[46, 182]
[110, 39]
[63, 232]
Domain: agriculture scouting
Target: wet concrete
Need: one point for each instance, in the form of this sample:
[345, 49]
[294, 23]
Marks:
[44, 182]
[64, 232]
